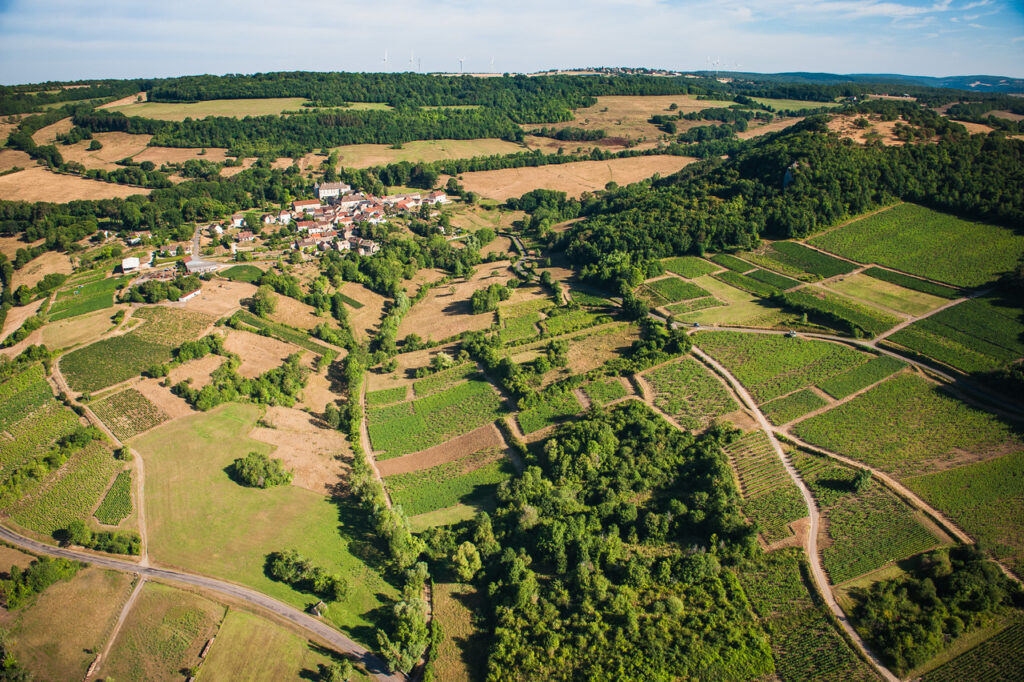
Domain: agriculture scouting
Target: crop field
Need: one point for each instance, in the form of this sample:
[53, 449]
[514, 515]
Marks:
[787, 408]
[467, 480]
[771, 365]
[689, 266]
[992, 512]
[163, 634]
[774, 279]
[367, 155]
[194, 511]
[412, 426]
[128, 413]
[673, 290]
[72, 496]
[747, 284]
[242, 273]
[569, 322]
[551, 410]
[84, 298]
[117, 504]
[694, 305]
[689, 393]
[444, 379]
[912, 283]
[907, 426]
[868, 529]
[870, 320]
[236, 108]
[22, 393]
[801, 258]
[770, 498]
[805, 644]
[604, 391]
[861, 377]
[386, 396]
[927, 243]
[886, 294]
[995, 660]
[731, 262]
[36, 183]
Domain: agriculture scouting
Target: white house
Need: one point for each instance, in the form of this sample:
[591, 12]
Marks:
[130, 264]
[238, 219]
[306, 205]
[190, 296]
[329, 190]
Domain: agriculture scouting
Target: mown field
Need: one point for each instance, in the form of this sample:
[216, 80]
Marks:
[242, 273]
[927, 243]
[688, 392]
[236, 108]
[469, 480]
[79, 299]
[907, 426]
[418, 424]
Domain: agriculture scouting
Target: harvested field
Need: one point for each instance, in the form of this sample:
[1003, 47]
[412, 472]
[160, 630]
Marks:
[160, 155]
[364, 319]
[116, 146]
[39, 184]
[9, 158]
[446, 310]
[258, 353]
[626, 116]
[308, 449]
[574, 178]
[48, 134]
[366, 155]
[9, 245]
[485, 437]
[196, 372]
[295, 314]
[37, 268]
[237, 108]
[773, 127]
[76, 331]
[220, 298]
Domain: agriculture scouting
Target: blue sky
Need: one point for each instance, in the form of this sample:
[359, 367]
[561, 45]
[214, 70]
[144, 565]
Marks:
[71, 39]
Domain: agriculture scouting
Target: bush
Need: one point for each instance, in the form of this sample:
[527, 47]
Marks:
[260, 471]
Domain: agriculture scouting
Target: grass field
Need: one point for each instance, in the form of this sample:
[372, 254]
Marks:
[735, 307]
[689, 266]
[84, 298]
[805, 644]
[252, 648]
[569, 322]
[907, 426]
[36, 183]
[913, 283]
[927, 243]
[886, 294]
[551, 410]
[867, 529]
[770, 498]
[117, 503]
[787, 408]
[461, 656]
[235, 108]
[793, 104]
[465, 481]
[242, 273]
[688, 392]
[71, 496]
[992, 511]
[694, 305]
[128, 413]
[604, 391]
[861, 376]
[199, 518]
[163, 634]
[56, 642]
[770, 366]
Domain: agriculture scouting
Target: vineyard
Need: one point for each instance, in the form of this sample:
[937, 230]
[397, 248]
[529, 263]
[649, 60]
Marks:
[470, 479]
[72, 496]
[128, 413]
[689, 393]
[84, 298]
[805, 644]
[117, 504]
[571, 321]
[519, 328]
[839, 309]
[443, 379]
[773, 279]
[997, 659]
[769, 259]
[689, 266]
[413, 426]
[170, 326]
[913, 283]
[604, 391]
[868, 529]
[745, 283]
[552, 409]
[993, 511]
[673, 290]
[386, 396]
[787, 408]
[731, 262]
[694, 305]
[927, 243]
[800, 258]
[906, 426]
[23, 393]
[34, 434]
[772, 365]
[770, 498]
[861, 377]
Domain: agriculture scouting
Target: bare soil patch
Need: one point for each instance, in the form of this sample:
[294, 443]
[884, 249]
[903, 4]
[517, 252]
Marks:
[450, 451]
[197, 372]
[162, 397]
[11, 158]
[220, 298]
[39, 184]
[741, 419]
[446, 310]
[573, 178]
[259, 353]
[16, 317]
[37, 268]
[307, 449]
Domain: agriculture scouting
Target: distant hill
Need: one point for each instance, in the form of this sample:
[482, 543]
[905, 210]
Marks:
[973, 83]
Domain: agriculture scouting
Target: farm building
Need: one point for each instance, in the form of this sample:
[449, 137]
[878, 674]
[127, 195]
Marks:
[199, 266]
[437, 197]
[130, 264]
[238, 219]
[190, 296]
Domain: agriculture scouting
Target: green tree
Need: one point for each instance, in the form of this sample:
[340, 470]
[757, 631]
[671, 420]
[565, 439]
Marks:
[466, 561]
[264, 302]
[260, 471]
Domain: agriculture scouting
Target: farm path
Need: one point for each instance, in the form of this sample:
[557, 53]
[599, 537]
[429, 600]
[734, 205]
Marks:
[125, 610]
[364, 439]
[139, 465]
[313, 627]
[582, 397]
[811, 541]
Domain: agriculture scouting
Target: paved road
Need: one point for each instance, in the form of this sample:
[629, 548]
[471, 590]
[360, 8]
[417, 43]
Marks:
[315, 628]
[811, 540]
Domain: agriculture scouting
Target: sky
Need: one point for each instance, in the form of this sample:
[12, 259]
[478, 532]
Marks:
[72, 39]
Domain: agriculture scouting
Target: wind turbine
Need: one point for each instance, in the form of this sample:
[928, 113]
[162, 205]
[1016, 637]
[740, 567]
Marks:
[461, 59]
[385, 60]
[492, 64]
[410, 60]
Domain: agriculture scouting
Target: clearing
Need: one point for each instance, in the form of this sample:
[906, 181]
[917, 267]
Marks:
[39, 184]
[446, 310]
[235, 108]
